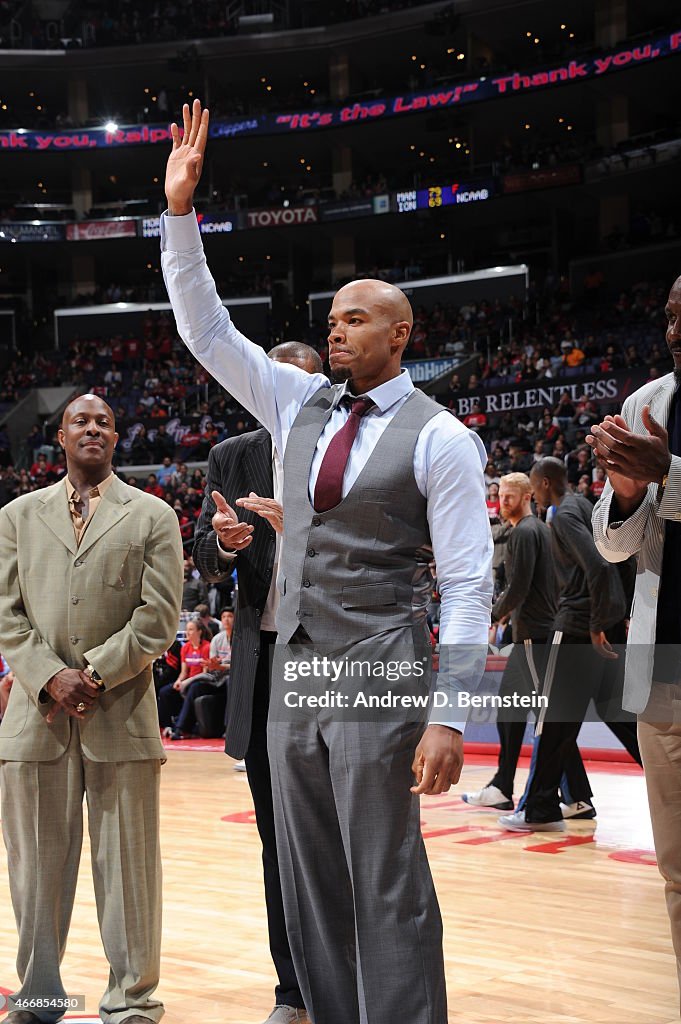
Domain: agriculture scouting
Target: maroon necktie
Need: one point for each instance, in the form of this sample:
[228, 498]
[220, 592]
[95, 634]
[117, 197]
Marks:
[329, 487]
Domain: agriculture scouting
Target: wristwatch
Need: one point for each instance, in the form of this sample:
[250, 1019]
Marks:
[94, 675]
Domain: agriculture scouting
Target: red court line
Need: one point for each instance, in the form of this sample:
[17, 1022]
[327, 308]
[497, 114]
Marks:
[615, 762]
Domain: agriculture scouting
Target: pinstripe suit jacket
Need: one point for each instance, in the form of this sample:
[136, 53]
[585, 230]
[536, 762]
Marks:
[236, 467]
[642, 534]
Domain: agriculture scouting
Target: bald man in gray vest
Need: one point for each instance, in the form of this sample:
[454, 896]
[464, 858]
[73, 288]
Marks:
[377, 479]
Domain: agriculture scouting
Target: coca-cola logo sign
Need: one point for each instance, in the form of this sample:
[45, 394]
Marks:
[91, 230]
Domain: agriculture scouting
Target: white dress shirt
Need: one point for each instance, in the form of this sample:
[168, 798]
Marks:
[448, 458]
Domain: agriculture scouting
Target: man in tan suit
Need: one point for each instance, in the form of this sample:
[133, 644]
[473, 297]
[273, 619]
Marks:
[90, 586]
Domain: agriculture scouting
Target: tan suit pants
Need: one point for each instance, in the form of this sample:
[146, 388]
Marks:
[659, 737]
[42, 824]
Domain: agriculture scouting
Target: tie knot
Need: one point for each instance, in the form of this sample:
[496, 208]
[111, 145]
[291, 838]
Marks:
[358, 406]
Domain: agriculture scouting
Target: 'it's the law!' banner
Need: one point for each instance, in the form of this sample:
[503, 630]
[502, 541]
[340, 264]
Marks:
[300, 121]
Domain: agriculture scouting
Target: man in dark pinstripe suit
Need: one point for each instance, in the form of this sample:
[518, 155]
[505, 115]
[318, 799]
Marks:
[238, 467]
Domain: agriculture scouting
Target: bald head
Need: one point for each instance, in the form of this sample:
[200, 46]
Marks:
[382, 295]
[87, 403]
[298, 354]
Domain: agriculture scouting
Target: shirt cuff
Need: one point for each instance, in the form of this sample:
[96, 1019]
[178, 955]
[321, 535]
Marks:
[223, 554]
[461, 726]
[180, 234]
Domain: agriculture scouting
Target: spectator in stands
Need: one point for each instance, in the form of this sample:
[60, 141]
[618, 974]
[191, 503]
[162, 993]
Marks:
[578, 465]
[564, 410]
[202, 612]
[492, 502]
[586, 414]
[163, 445]
[521, 458]
[572, 355]
[194, 652]
[167, 667]
[209, 437]
[632, 358]
[194, 591]
[113, 376]
[164, 473]
[40, 469]
[153, 486]
[598, 484]
[476, 418]
[539, 450]
[492, 474]
[584, 487]
[181, 475]
[212, 680]
[140, 449]
[185, 522]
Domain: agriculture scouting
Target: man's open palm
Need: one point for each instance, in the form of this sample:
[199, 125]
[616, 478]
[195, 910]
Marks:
[185, 162]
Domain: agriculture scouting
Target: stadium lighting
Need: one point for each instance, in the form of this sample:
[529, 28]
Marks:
[111, 127]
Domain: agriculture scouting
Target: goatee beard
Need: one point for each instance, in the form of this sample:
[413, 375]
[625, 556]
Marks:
[341, 375]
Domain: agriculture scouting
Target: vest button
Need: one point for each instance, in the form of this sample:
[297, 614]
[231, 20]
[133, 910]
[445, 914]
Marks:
[316, 521]
[74, 600]
[306, 583]
[311, 552]
[78, 562]
[74, 639]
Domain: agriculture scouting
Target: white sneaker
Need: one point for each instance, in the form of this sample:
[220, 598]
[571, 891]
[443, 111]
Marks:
[240, 766]
[516, 823]
[488, 796]
[287, 1015]
[580, 810]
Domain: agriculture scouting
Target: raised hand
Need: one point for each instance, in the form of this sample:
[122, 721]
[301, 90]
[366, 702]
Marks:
[232, 534]
[185, 162]
[266, 508]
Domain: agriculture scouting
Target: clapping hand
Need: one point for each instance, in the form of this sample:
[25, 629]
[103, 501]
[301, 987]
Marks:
[631, 460]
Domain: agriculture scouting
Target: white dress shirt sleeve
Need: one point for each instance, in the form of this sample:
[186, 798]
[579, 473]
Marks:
[272, 391]
[462, 548]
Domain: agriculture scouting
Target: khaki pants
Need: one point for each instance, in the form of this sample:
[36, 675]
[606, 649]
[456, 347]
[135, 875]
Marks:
[42, 824]
[660, 743]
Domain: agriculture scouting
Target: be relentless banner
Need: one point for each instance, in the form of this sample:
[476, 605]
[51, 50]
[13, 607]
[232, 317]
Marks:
[603, 388]
[301, 121]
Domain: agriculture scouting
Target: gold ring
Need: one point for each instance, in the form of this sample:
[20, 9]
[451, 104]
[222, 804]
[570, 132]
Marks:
[80, 707]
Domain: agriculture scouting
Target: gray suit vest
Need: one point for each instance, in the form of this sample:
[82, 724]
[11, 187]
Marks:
[361, 568]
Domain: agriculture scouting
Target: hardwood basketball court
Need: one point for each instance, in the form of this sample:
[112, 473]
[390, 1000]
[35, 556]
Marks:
[542, 929]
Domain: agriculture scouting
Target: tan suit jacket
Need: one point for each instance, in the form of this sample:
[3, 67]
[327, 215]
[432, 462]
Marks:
[114, 602]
